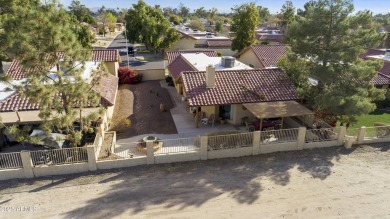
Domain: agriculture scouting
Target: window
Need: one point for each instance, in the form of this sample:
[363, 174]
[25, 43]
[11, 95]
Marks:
[226, 111]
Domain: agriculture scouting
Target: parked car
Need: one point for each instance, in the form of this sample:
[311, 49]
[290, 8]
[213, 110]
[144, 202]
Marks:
[132, 49]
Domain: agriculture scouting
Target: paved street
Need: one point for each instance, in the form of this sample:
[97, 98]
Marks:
[120, 44]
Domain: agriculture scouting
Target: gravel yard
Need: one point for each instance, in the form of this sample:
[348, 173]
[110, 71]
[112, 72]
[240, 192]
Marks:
[141, 104]
[320, 183]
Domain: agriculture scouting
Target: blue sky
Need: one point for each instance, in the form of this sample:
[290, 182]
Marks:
[377, 6]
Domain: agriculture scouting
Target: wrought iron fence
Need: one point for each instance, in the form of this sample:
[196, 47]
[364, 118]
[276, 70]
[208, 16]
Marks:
[221, 142]
[378, 132]
[129, 150]
[59, 156]
[179, 145]
[10, 161]
[278, 136]
[320, 135]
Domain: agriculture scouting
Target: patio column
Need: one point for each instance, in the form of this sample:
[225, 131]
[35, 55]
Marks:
[261, 124]
[91, 158]
[203, 147]
[196, 117]
[256, 143]
[301, 138]
[342, 133]
[281, 125]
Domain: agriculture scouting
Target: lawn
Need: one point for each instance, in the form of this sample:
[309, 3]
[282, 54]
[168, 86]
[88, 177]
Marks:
[368, 121]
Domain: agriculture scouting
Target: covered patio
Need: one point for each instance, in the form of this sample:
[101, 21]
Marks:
[273, 110]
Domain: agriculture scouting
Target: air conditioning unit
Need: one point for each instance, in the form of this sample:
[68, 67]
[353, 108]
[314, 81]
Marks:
[228, 61]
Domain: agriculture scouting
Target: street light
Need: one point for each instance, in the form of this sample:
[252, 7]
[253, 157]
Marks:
[127, 48]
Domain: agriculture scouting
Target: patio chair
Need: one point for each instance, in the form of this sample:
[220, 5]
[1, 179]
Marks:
[200, 116]
[210, 120]
[250, 128]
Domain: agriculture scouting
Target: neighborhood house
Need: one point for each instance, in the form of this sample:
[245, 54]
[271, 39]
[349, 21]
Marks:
[15, 109]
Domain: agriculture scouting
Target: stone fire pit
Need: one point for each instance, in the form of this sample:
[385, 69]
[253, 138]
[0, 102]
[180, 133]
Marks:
[157, 144]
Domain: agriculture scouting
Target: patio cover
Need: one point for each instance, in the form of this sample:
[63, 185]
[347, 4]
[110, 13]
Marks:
[278, 109]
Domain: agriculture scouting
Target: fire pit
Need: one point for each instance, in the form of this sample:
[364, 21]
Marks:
[141, 146]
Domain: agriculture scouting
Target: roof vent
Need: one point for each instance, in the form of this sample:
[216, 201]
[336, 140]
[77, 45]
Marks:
[228, 61]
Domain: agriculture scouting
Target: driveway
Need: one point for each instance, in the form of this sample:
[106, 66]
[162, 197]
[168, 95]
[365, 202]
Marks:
[119, 43]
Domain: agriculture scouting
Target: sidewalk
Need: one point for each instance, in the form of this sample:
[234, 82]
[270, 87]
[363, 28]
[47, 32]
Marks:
[104, 42]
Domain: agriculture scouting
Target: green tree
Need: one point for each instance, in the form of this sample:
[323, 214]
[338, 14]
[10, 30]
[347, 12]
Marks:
[62, 94]
[148, 25]
[288, 14]
[264, 14]
[81, 12]
[244, 22]
[83, 33]
[176, 20]
[183, 11]
[111, 22]
[218, 26]
[196, 24]
[330, 38]
[200, 12]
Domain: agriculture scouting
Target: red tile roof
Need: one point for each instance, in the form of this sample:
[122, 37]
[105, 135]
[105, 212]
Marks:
[381, 79]
[238, 86]
[268, 55]
[280, 38]
[371, 52]
[107, 89]
[219, 43]
[16, 71]
[173, 54]
[385, 70]
[105, 55]
[16, 102]
[178, 66]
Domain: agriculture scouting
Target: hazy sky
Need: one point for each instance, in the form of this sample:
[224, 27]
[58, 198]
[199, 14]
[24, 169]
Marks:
[377, 6]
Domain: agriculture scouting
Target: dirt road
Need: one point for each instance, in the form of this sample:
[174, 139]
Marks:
[321, 183]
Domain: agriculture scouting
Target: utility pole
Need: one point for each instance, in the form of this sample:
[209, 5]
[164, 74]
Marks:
[127, 48]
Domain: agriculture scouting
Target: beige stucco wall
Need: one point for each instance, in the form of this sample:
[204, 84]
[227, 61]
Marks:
[239, 112]
[324, 144]
[183, 44]
[249, 58]
[237, 152]
[152, 74]
[32, 116]
[60, 169]
[112, 67]
[270, 148]
[209, 110]
[11, 174]
[110, 164]
[179, 157]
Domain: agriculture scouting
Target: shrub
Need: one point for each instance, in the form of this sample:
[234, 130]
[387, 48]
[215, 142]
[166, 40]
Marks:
[168, 79]
[219, 54]
[128, 76]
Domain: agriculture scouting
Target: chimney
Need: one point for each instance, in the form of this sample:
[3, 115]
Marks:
[210, 76]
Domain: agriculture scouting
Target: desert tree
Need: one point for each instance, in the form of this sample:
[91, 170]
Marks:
[53, 61]
[330, 37]
[244, 22]
[147, 24]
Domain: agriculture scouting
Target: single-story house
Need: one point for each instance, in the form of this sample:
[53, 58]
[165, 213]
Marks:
[15, 109]
[172, 55]
[261, 56]
[382, 79]
[195, 61]
[193, 39]
[271, 38]
[233, 95]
